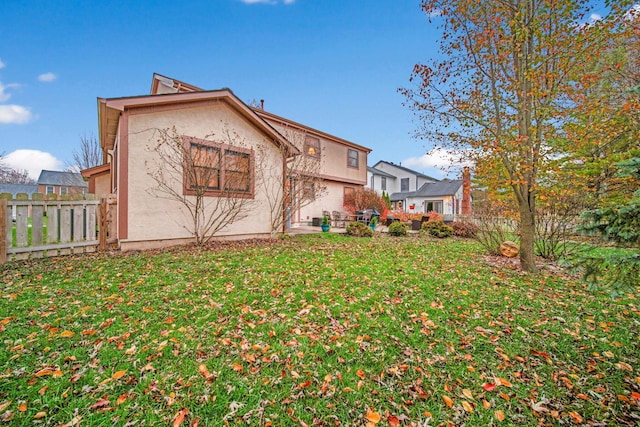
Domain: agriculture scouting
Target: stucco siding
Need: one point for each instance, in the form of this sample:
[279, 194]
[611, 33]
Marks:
[333, 155]
[152, 217]
[332, 201]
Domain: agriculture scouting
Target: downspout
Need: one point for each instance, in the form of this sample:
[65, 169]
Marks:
[284, 191]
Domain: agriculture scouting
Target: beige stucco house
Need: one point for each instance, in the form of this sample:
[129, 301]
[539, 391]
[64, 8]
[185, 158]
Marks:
[130, 127]
[342, 164]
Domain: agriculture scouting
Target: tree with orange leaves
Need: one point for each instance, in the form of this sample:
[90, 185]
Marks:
[503, 86]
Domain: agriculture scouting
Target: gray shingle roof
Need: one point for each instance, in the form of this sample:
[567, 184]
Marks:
[416, 173]
[375, 171]
[431, 189]
[69, 179]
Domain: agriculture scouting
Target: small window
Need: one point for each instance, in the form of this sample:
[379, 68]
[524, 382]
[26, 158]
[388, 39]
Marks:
[352, 159]
[312, 146]
[373, 181]
[64, 190]
[50, 189]
[404, 184]
[383, 183]
[346, 192]
[434, 207]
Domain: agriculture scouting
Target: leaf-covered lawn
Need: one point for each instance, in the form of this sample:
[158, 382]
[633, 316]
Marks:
[315, 330]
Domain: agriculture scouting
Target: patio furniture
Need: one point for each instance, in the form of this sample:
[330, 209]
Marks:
[340, 219]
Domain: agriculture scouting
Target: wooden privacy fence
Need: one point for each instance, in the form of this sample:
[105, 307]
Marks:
[39, 227]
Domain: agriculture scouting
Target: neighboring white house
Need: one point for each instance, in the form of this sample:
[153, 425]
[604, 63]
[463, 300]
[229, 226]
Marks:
[415, 192]
[380, 180]
[397, 178]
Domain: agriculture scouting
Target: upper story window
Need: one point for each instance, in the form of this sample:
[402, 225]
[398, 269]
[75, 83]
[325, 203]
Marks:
[217, 169]
[383, 183]
[50, 189]
[64, 190]
[404, 184]
[312, 146]
[352, 159]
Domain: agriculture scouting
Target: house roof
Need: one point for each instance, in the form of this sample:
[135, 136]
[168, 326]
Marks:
[109, 111]
[163, 84]
[431, 189]
[69, 179]
[416, 173]
[375, 171]
[14, 189]
[270, 116]
[96, 170]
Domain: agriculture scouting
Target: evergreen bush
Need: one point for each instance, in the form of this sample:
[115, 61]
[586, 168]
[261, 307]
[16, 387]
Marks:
[437, 229]
[358, 229]
[398, 228]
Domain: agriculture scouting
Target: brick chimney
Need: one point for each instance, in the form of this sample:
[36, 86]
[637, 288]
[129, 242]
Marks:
[466, 191]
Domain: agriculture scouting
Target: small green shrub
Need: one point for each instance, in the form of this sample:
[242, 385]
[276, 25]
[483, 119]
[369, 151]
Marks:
[437, 229]
[358, 229]
[464, 229]
[398, 228]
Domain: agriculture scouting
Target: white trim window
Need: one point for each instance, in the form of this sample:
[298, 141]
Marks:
[353, 158]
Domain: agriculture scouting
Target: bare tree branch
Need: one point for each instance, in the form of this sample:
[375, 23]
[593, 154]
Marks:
[89, 154]
[211, 178]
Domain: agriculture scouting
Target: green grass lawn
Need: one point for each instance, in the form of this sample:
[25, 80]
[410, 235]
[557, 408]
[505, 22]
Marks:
[314, 330]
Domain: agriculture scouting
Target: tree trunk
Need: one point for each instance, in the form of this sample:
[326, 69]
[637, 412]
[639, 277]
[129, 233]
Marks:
[527, 238]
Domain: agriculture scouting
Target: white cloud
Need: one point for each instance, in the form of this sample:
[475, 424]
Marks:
[2, 64]
[595, 17]
[437, 163]
[47, 77]
[4, 96]
[33, 161]
[433, 159]
[14, 114]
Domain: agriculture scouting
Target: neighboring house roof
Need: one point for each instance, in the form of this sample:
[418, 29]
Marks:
[14, 189]
[374, 171]
[416, 173]
[431, 189]
[109, 111]
[67, 179]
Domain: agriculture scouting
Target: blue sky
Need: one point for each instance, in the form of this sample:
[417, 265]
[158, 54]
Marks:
[332, 65]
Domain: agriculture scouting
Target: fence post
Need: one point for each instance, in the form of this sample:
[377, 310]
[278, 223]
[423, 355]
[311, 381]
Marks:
[102, 229]
[4, 219]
